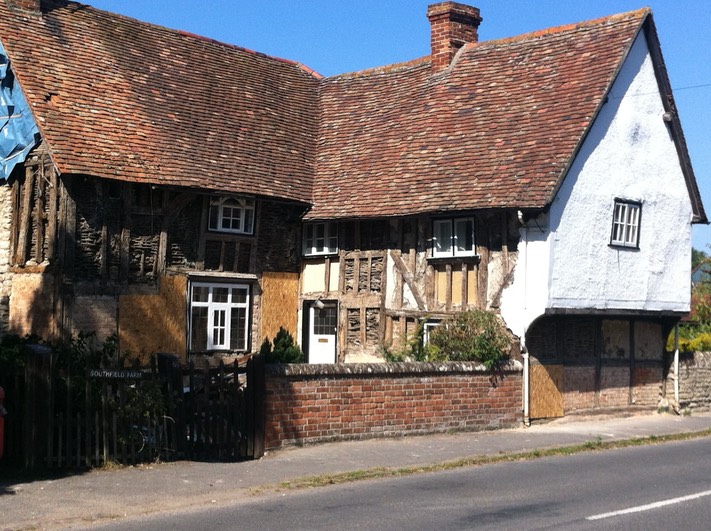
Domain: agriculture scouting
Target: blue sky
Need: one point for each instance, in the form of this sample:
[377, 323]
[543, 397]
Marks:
[336, 36]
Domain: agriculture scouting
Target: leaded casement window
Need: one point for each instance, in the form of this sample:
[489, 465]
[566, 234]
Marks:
[626, 218]
[320, 239]
[219, 316]
[453, 237]
[232, 214]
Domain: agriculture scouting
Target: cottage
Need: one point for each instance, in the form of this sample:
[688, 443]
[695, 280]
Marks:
[193, 196]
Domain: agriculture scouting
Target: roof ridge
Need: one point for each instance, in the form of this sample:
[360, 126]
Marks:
[563, 28]
[384, 69]
[203, 38]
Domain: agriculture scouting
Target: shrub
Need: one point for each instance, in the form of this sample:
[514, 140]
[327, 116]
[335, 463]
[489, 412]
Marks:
[285, 349]
[414, 349]
[474, 335]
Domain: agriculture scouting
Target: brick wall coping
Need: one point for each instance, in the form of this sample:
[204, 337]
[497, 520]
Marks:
[373, 369]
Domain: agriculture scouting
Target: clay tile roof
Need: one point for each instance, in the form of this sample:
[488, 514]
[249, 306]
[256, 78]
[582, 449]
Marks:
[122, 99]
[496, 129]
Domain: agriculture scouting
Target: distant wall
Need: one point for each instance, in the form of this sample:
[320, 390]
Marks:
[318, 403]
[694, 381]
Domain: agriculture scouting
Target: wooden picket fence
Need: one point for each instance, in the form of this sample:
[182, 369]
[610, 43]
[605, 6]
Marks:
[167, 411]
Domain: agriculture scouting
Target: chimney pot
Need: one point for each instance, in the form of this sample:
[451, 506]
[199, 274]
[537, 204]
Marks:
[451, 26]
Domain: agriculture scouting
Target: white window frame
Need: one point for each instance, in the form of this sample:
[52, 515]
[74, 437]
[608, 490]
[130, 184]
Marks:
[427, 330]
[626, 223]
[320, 238]
[222, 219]
[219, 316]
[450, 249]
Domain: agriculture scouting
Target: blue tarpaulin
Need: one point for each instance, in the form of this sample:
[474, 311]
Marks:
[18, 130]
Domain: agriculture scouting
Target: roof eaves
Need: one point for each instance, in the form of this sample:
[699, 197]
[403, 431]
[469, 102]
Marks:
[677, 133]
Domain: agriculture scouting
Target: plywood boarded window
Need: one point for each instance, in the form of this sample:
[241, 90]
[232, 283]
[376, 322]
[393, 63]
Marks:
[615, 339]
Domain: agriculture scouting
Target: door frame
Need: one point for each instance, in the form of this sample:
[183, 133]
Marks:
[307, 326]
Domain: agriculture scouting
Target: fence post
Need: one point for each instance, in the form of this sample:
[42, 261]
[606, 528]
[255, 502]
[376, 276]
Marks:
[37, 406]
[256, 403]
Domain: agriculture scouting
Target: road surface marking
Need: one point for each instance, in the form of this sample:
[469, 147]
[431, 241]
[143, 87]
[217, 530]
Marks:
[650, 506]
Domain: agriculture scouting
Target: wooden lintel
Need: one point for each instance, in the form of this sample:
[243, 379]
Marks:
[408, 278]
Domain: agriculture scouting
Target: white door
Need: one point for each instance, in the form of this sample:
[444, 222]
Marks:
[323, 324]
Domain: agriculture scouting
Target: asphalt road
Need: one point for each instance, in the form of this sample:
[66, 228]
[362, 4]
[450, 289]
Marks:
[665, 486]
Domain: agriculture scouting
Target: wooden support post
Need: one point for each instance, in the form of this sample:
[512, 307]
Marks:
[327, 275]
[125, 252]
[448, 287]
[25, 216]
[203, 233]
[465, 285]
[363, 326]
[39, 213]
[70, 224]
[52, 222]
[103, 192]
[162, 255]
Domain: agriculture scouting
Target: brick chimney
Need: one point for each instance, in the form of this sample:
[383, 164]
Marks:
[24, 5]
[452, 25]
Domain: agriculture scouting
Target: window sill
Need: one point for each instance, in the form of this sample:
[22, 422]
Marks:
[621, 247]
[470, 259]
[319, 255]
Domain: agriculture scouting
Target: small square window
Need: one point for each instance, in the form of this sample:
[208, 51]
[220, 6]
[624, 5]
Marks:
[453, 237]
[626, 219]
[320, 239]
[427, 329]
[232, 214]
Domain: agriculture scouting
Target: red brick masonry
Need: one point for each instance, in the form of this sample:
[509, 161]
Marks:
[318, 403]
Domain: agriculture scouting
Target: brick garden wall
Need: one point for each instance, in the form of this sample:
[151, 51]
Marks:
[318, 403]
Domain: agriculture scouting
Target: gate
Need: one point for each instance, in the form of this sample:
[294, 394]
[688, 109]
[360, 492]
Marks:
[59, 417]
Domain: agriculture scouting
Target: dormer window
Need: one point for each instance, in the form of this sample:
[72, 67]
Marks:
[320, 239]
[626, 218]
[232, 214]
[453, 237]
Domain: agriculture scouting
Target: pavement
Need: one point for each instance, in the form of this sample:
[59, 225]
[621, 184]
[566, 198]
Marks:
[86, 499]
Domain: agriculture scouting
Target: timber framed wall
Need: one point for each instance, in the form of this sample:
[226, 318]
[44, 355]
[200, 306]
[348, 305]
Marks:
[386, 281]
[596, 362]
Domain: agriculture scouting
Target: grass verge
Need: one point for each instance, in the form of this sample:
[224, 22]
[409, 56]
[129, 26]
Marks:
[387, 472]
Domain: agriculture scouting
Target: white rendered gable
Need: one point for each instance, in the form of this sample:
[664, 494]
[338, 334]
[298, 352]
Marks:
[628, 154]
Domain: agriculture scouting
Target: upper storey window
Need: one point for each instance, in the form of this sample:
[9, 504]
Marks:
[320, 238]
[626, 219]
[453, 237]
[232, 214]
